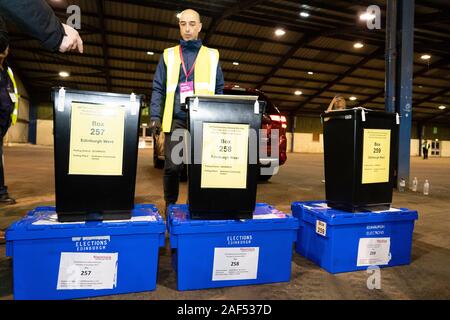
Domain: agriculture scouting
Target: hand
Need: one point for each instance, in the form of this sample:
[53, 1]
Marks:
[71, 41]
[155, 126]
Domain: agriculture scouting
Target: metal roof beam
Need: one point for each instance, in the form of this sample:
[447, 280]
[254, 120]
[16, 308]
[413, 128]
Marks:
[434, 117]
[376, 53]
[308, 79]
[238, 7]
[421, 72]
[431, 97]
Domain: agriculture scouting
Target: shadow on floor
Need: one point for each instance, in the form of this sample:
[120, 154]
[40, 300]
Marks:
[6, 277]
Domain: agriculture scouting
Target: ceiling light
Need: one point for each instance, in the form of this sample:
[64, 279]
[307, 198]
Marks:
[150, 53]
[442, 107]
[304, 14]
[425, 57]
[367, 16]
[64, 74]
[236, 86]
[310, 72]
[353, 98]
[298, 93]
[280, 32]
[358, 45]
[235, 63]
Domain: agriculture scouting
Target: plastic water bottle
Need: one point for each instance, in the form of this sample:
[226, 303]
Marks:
[402, 185]
[414, 184]
[426, 188]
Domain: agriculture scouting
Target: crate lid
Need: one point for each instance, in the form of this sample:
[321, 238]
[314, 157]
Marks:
[42, 223]
[265, 217]
[313, 210]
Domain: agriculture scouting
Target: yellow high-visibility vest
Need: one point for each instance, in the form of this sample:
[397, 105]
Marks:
[204, 77]
[15, 113]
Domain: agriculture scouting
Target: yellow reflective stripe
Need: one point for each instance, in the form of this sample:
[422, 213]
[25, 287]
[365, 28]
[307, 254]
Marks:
[201, 85]
[16, 92]
[172, 88]
[213, 70]
[204, 76]
[172, 60]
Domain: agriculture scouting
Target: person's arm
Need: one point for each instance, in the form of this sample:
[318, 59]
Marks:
[220, 83]
[159, 90]
[36, 18]
[330, 107]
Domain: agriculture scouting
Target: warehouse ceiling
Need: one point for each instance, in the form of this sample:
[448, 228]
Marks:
[300, 71]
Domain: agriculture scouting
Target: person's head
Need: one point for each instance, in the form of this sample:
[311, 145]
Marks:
[4, 45]
[339, 103]
[190, 25]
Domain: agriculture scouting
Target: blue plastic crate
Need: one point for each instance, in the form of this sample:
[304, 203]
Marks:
[341, 241]
[53, 260]
[222, 253]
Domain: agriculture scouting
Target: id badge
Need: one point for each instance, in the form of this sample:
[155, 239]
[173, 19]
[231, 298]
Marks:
[13, 97]
[186, 90]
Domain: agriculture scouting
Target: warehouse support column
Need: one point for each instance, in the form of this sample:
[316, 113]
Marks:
[420, 136]
[403, 10]
[293, 123]
[32, 125]
[391, 55]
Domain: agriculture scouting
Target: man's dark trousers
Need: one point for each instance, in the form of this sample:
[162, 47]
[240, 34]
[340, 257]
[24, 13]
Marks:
[3, 188]
[172, 171]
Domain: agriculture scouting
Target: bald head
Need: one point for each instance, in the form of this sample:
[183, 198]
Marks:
[190, 25]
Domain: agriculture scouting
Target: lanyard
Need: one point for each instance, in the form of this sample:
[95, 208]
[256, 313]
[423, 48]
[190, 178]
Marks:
[187, 74]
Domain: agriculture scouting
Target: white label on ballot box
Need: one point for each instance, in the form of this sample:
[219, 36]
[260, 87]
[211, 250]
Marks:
[89, 271]
[235, 263]
[376, 156]
[373, 251]
[96, 139]
[224, 155]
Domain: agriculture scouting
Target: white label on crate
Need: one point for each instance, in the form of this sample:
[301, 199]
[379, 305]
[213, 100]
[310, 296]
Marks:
[235, 263]
[373, 251]
[269, 216]
[52, 219]
[321, 228]
[390, 210]
[87, 271]
[134, 219]
[317, 206]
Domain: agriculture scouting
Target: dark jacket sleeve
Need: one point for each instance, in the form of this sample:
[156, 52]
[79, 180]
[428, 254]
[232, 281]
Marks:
[159, 90]
[6, 105]
[36, 18]
[219, 80]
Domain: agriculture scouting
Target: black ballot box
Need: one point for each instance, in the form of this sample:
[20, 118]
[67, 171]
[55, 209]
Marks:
[223, 164]
[359, 153]
[95, 150]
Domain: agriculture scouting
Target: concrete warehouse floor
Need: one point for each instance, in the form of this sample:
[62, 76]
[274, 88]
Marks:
[29, 174]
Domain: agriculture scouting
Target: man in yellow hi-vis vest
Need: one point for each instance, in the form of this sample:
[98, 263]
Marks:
[184, 70]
